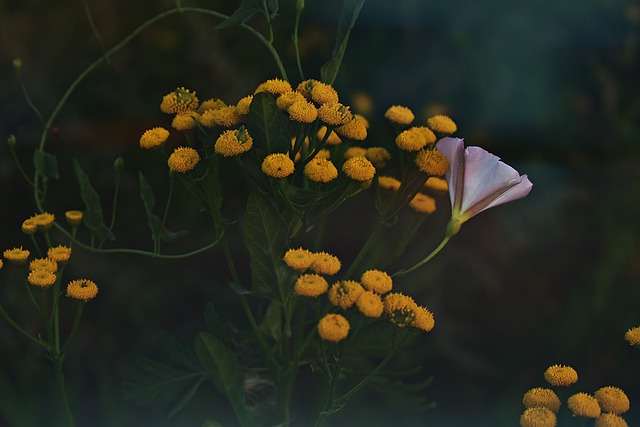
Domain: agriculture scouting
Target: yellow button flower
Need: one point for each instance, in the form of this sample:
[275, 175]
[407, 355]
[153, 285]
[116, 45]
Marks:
[333, 327]
[211, 104]
[560, 375]
[378, 156]
[302, 112]
[401, 309]
[376, 281]
[226, 117]
[299, 259]
[242, 107]
[154, 137]
[82, 290]
[442, 124]
[612, 399]
[59, 254]
[424, 319]
[610, 420]
[359, 169]
[345, 293]
[73, 217]
[388, 183]
[305, 87]
[332, 139]
[274, 86]
[325, 263]
[540, 396]
[632, 336]
[323, 93]
[43, 221]
[185, 121]
[538, 417]
[286, 99]
[43, 264]
[411, 139]
[233, 142]
[584, 405]
[354, 129]
[423, 204]
[370, 304]
[29, 226]
[41, 278]
[277, 165]
[320, 170]
[179, 101]
[432, 162]
[399, 115]
[311, 285]
[183, 159]
[436, 184]
[16, 255]
[334, 114]
[355, 151]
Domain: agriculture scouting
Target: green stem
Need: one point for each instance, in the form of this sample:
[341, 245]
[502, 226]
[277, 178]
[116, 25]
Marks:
[442, 244]
[92, 24]
[12, 150]
[27, 97]
[299, 9]
[166, 209]
[76, 323]
[22, 332]
[365, 248]
[115, 202]
[57, 363]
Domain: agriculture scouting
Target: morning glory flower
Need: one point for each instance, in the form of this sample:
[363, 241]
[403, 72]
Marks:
[477, 181]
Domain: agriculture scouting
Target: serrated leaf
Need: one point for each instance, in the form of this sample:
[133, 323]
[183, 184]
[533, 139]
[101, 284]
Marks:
[225, 371]
[266, 239]
[268, 126]
[242, 14]
[46, 164]
[93, 217]
[348, 16]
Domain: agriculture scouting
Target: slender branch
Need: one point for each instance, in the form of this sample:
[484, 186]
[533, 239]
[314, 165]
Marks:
[442, 244]
[24, 333]
[299, 9]
[92, 24]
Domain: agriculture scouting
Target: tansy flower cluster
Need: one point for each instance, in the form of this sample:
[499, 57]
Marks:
[542, 404]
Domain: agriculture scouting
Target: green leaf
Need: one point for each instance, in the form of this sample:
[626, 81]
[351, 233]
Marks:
[348, 16]
[214, 324]
[266, 238]
[93, 217]
[272, 321]
[272, 5]
[242, 14]
[46, 164]
[268, 127]
[149, 202]
[225, 372]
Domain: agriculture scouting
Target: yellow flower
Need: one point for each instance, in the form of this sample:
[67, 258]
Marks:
[388, 183]
[560, 375]
[370, 304]
[325, 263]
[311, 285]
[242, 107]
[355, 152]
[437, 184]
[378, 156]
[16, 255]
[333, 327]
[432, 162]
[423, 203]
[302, 112]
[211, 104]
[355, 129]
[286, 99]
[154, 137]
[359, 169]
[82, 289]
[179, 101]
[43, 221]
[43, 264]
[299, 259]
[323, 93]
[376, 281]
[332, 139]
[226, 117]
[612, 399]
[427, 133]
[274, 87]
[632, 336]
[73, 217]
[610, 420]
[424, 319]
[185, 121]
[305, 87]
[411, 139]
[334, 114]
[277, 165]
[399, 115]
[538, 417]
[323, 154]
[584, 405]
[1, 264]
[401, 309]
[540, 396]
[442, 124]
[320, 170]
[59, 254]
[29, 226]
[183, 159]
[233, 142]
[362, 103]
[41, 278]
[345, 293]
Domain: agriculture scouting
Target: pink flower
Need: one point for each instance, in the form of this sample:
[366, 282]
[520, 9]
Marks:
[478, 180]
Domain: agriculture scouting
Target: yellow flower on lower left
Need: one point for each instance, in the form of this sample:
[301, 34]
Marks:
[333, 327]
[82, 290]
[183, 159]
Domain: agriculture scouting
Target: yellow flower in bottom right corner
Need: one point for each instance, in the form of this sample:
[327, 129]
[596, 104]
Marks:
[538, 417]
[610, 420]
[632, 336]
[584, 405]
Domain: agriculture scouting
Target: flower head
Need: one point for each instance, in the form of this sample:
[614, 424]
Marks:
[226, 117]
[325, 263]
[1, 264]
[211, 104]
[560, 375]
[478, 180]
[154, 137]
[412, 139]
[355, 151]
[424, 319]
[43, 264]
[376, 281]
[242, 107]
[432, 162]
[179, 101]
[378, 156]
[183, 159]
[185, 121]
[401, 309]
[59, 254]
[612, 399]
[277, 165]
[82, 290]
[632, 336]
[73, 217]
[323, 93]
[389, 183]
[538, 416]
[320, 170]
[302, 111]
[584, 405]
[233, 142]
[305, 87]
[274, 86]
[16, 255]
[442, 124]
[436, 184]
[610, 420]
[540, 396]
[287, 99]
[299, 259]
[423, 203]
[333, 327]
[345, 293]
[370, 304]
[43, 221]
[399, 115]
[41, 278]
[29, 226]
[359, 169]
[334, 114]
[311, 285]
[355, 129]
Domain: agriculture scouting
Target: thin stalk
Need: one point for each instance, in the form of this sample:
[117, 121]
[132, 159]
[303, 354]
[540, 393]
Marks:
[166, 208]
[365, 248]
[115, 202]
[296, 26]
[12, 150]
[76, 323]
[442, 244]
[21, 331]
[27, 97]
[57, 363]
[92, 24]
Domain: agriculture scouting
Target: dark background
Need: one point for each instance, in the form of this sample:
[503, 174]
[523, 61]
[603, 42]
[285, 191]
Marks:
[552, 87]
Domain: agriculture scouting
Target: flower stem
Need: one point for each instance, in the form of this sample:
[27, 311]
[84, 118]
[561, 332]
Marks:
[442, 244]
[57, 363]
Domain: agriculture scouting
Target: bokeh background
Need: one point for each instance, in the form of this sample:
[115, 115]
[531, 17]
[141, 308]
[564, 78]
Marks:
[552, 87]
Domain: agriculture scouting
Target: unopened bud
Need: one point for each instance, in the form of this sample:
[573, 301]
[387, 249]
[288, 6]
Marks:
[11, 140]
[17, 63]
[118, 165]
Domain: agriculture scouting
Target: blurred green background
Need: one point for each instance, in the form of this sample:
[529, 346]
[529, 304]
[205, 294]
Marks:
[552, 87]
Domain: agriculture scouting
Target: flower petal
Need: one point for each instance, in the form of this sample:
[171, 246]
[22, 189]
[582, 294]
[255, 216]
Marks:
[516, 192]
[453, 150]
